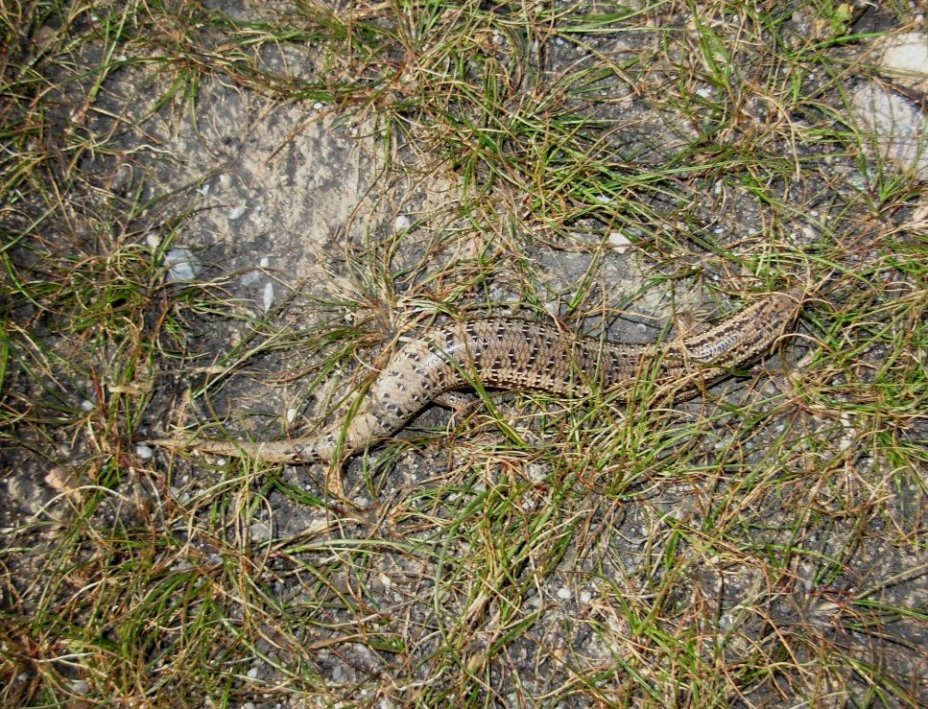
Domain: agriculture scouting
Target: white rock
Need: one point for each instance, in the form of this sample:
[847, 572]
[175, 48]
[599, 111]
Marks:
[538, 472]
[905, 60]
[182, 264]
[899, 130]
[619, 242]
[249, 277]
[402, 223]
[260, 531]
[79, 686]
[268, 296]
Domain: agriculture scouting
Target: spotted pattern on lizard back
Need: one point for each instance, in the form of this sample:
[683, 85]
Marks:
[519, 354]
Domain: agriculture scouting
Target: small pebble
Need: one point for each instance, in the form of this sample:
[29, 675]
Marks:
[619, 242]
[182, 265]
[249, 277]
[268, 296]
[79, 686]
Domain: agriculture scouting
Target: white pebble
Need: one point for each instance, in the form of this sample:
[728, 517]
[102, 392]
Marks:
[249, 277]
[402, 222]
[153, 240]
[564, 593]
[143, 451]
[538, 472]
[619, 242]
[182, 265]
[237, 212]
[79, 686]
[268, 296]
[87, 405]
[898, 128]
